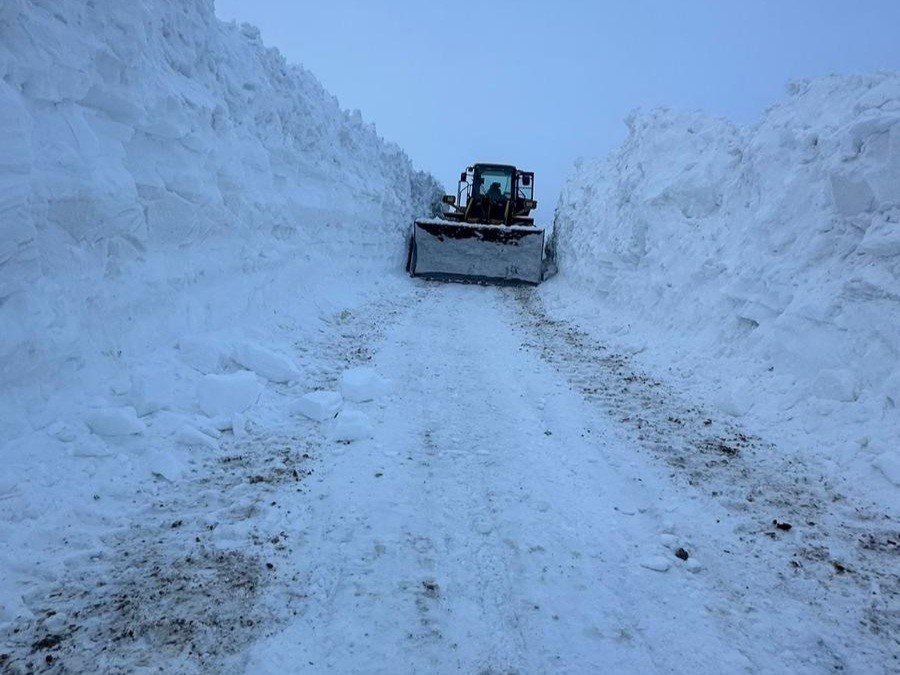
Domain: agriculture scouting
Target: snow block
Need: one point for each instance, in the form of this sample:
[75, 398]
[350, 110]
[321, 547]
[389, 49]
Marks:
[150, 391]
[219, 424]
[191, 437]
[835, 385]
[221, 395]
[352, 425]
[361, 384]
[657, 563]
[203, 353]
[266, 363]
[693, 565]
[239, 426]
[668, 540]
[851, 194]
[888, 463]
[114, 422]
[164, 465]
[319, 405]
[882, 239]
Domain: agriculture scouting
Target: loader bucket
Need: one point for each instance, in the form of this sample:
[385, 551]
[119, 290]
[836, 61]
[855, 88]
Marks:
[443, 249]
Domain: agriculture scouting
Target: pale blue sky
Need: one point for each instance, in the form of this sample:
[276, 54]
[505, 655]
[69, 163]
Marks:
[538, 84]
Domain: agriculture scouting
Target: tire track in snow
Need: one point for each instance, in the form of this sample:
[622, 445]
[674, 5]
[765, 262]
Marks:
[824, 547]
[486, 528]
[406, 608]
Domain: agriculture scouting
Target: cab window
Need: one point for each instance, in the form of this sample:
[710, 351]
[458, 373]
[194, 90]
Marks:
[491, 176]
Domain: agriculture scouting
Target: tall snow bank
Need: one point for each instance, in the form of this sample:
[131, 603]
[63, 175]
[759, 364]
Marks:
[775, 246]
[147, 145]
[181, 214]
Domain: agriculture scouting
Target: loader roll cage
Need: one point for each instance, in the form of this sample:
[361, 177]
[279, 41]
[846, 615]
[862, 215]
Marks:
[498, 194]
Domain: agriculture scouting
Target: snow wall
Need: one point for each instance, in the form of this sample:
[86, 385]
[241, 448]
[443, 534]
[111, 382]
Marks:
[148, 147]
[773, 247]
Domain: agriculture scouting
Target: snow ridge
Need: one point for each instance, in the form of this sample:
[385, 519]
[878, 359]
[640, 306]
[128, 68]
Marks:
[139, 138]
[182, 213]
[771, 250]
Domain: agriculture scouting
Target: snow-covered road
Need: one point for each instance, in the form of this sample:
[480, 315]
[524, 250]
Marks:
[485, 529]
[528, 503]
[504, 520]
[678, 455]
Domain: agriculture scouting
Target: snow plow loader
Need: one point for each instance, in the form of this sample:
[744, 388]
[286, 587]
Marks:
[486, 233]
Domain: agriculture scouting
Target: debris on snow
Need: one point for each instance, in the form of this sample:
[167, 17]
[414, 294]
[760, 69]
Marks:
[319, 405]
[431, 588]
[225, 395]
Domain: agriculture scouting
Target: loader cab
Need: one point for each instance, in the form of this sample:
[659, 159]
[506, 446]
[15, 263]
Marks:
[494, 182]
[497, 194]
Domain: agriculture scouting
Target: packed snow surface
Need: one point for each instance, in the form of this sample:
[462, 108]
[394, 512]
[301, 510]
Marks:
[237, 439]
[760, 262]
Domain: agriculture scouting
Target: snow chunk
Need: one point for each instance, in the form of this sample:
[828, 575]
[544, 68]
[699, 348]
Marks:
[225, 395]
[115, 422]
[239, 426]
[319, 405]
[668, 540]
[851, 194]
[204, 353]
[657, 563]
[151, 390]
[882, 239]
[219, 424]
[191, 436]
[274, 367]
[693, 565]
[835, 385]
[352, 425]
[888, 464]
[362, 384]
[165, 465]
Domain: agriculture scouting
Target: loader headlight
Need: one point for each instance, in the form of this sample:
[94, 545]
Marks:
[530, 204]
[449, 199]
